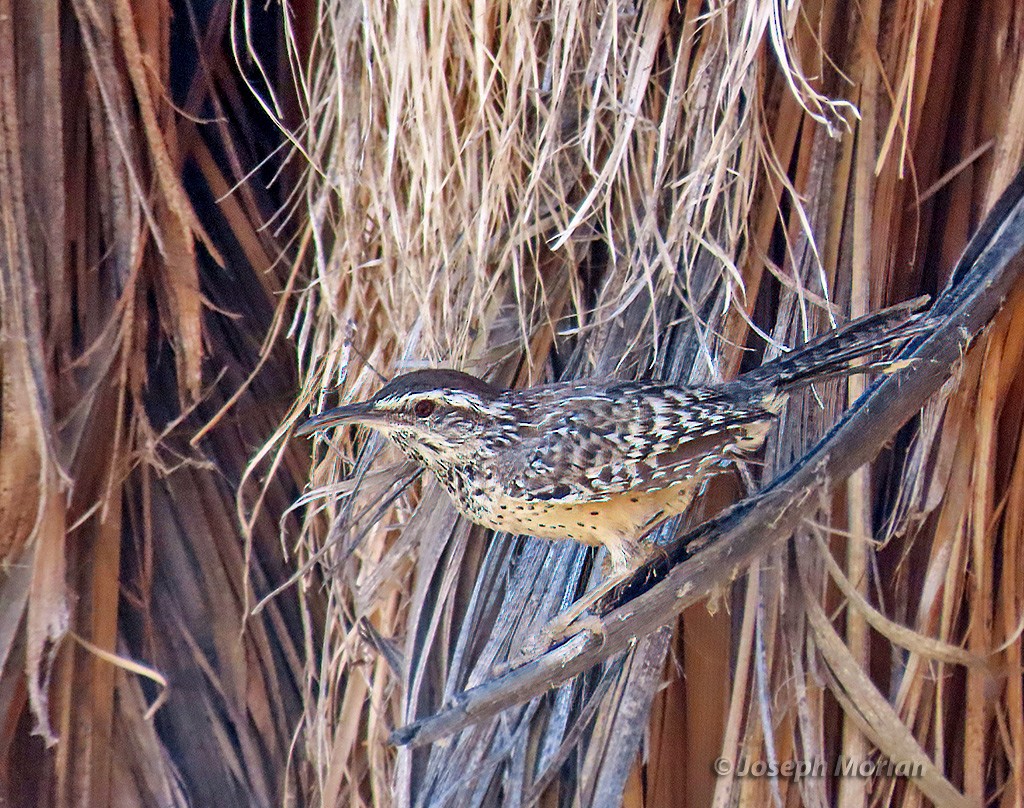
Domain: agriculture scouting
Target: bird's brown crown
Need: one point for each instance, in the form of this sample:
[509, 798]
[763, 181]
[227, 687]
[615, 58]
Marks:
[435, 380]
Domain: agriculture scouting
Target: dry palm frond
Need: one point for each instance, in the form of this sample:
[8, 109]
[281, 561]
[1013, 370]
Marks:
[575, 188]
[133, 306]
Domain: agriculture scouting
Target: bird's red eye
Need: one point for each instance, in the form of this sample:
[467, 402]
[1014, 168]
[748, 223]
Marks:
[424, 408]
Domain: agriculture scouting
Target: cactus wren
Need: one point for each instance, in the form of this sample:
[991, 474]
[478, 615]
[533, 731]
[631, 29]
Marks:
[600, 462]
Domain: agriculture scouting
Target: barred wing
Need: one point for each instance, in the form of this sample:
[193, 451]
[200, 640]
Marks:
[633, 436]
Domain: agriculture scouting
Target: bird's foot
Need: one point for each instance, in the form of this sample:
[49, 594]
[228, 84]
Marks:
[557, 631]
[574, 619]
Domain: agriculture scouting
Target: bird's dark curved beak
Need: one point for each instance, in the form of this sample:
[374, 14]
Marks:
[361, 413]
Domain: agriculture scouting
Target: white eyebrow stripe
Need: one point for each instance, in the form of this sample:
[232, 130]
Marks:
[459, 399]
[448, 397]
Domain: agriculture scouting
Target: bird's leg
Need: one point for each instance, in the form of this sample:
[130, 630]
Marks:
[624, 556]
